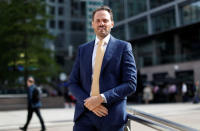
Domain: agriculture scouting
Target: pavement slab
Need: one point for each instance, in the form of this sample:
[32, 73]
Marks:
[61, 119]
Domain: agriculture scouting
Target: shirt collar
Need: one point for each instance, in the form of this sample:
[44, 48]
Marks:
[106, 39]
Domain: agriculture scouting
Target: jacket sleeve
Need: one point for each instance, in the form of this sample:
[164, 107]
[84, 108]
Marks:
[129, 77]
[75, 83]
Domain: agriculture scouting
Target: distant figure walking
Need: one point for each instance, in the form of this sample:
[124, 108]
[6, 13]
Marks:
[197, 92]
[184, 92]
[34, 104]
[147, 94]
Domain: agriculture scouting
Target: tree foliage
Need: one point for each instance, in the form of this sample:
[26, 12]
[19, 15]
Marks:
[22, 37]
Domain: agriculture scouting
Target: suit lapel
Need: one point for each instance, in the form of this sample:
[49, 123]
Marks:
[89, 60]
[109, 52]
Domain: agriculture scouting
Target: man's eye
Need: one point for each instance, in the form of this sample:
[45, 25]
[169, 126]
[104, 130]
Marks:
[105, 21]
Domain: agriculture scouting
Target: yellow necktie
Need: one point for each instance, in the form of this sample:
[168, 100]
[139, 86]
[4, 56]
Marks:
[97, 69]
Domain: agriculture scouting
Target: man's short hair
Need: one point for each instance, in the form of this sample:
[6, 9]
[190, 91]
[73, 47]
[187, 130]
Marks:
[106, 8]
[31, 78]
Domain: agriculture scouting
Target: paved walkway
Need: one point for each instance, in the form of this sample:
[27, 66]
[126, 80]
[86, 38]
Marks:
[55, 120]
[61, 119]
[187, 114]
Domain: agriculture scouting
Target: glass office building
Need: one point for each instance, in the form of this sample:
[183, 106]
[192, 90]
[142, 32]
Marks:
[67, 25]
[91, 5]
[165, 36]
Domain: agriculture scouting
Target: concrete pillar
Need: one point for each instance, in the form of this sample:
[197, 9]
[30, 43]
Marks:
[154, 53]
[127, 36]
[196, 74]
[149, 21]
[177, 15]
[177, 48]
[135, 51]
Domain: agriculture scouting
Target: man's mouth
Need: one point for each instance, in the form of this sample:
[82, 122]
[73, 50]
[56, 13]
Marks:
[101, 28]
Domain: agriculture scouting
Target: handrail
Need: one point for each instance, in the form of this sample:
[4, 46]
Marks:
[151, 124]
[156, 122]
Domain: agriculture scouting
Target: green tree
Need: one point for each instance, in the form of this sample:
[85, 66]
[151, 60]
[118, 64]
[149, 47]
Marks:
[22, 38]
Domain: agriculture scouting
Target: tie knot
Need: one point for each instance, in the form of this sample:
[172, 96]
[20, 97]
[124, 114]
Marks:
[101, 42]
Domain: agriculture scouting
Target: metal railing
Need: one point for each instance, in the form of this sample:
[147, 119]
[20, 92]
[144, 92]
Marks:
[154, 122]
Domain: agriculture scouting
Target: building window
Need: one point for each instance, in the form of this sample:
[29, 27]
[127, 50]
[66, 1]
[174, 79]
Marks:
[190, 13]
[60, 11]
[185, 76]
[52, 0]
[83, 9]
[61, 24]
[60, 1]
[52, 23]
[119, 32]
[60, 60]
[118, 14]
[165, 49]
[190, 44]
[138, 28]
[163, 21]
[136, 6]
[145, 53]
[59, 41]
[74, 9]
[160, 76]
[77, 26]
[156, 3]
[52, 10]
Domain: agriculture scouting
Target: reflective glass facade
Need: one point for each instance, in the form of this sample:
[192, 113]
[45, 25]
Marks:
[118, 9]
[164, 49]
[156, 51]
[154, 30]
[190, 13]
[156, 3]
[119, 32]
[165, 36]
[190, 44]
[163, 21]
[90, 7]
[138, 28]
[136, 6]
[145, 53]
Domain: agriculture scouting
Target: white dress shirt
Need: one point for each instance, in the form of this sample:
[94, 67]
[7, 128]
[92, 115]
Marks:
[106, 40]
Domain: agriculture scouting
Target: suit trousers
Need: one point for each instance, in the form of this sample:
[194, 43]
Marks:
[88, 121]
[30, 114]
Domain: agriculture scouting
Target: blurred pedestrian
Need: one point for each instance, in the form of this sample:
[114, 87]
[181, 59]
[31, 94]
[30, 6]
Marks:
[172, 90]
[69, 98]
[147, 94]
[34, 104]
[197, 92]
[184, 92]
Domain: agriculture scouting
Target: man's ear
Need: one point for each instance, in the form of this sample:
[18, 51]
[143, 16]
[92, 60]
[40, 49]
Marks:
[113, 24]
[92, 24]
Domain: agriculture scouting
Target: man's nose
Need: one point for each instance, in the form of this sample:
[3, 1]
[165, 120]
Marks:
[101, 23]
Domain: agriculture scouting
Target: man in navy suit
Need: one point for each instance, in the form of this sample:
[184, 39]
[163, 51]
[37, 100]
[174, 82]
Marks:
[105, 111]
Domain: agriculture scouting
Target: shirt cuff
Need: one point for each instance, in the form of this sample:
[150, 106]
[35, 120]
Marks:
[104, 98]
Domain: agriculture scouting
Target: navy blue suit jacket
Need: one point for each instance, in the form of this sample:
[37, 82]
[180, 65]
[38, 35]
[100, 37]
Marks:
[117, 78]
[33, 92]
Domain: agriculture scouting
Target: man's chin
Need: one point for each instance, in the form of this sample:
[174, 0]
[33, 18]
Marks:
[103, 34]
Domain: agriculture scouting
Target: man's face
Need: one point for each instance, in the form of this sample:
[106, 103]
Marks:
[102, 23]
[30, 82]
